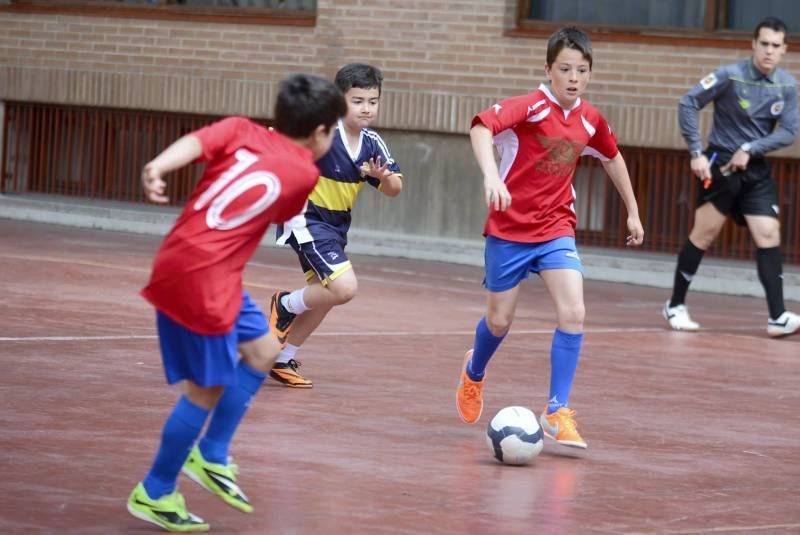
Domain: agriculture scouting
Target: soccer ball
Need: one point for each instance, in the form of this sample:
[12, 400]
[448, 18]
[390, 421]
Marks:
[514, 435]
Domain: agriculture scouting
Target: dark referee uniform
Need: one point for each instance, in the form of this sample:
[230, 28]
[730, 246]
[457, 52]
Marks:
[752, 111]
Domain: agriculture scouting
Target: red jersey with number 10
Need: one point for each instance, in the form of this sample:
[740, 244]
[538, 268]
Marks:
[253, 177]
[539, 145]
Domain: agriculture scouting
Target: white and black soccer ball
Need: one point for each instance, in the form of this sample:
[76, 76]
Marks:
[514, 435]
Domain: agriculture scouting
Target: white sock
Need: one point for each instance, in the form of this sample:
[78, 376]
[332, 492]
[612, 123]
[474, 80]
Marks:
[293, 302]
[286, 354]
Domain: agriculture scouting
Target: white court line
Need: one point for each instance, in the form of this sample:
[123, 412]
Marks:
[719, 529]
[56, 260]
[77, 338]
[360, 334]
[478, 290]
[394, 281]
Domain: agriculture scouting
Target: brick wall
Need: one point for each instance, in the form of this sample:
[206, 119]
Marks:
[443, 61]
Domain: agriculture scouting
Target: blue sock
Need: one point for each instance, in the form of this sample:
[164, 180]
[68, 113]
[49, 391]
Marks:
[177, 438]
[564, 353]
[229, 412]
[485, 345]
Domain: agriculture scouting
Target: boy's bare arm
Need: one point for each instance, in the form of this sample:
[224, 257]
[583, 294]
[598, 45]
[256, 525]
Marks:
[618, 172]
[392, 185]
[495, 192]
[182, 152]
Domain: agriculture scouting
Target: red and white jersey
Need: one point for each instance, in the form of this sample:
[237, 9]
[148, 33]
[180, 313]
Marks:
[253, 177]
[539, 144]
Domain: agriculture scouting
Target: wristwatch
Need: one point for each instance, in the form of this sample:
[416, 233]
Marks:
[696, 153]
[746, 147]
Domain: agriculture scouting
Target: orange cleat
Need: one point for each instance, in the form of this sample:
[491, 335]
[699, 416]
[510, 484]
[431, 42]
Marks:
[561, 427]
[469, 399]
[280, 319]
[289, 374]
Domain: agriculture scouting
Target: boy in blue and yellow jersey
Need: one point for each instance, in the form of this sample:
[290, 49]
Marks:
[357, 156]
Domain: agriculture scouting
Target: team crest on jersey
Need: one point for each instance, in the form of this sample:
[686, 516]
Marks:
[709, 81]
[497, 108]
[561, 155]
[776, 108]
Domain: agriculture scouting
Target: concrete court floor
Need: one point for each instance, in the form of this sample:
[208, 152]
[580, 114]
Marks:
[688, 433]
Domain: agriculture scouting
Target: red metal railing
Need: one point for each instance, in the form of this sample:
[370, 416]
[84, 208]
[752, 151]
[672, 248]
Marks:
[666, 197]
[89, 152]
[98, 153]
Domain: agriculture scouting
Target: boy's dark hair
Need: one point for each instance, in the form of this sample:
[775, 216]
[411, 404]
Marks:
[773, 23]
[569, 37]
[304, 102]
[359, 75]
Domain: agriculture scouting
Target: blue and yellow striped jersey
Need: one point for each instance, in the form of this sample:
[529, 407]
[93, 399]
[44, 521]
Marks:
[341, 180]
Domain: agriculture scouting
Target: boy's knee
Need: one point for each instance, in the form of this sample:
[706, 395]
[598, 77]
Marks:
[260, 354]
[206, 397]
[499, 324]
[343, 291]
[573, 315]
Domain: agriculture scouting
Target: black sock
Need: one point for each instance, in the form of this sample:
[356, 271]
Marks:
[770, 273]
[688, 260]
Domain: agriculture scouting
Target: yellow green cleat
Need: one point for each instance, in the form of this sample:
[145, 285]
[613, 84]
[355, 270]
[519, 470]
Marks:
[217, 478]
[169, 511]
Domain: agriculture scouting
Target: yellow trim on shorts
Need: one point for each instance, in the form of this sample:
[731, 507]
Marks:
[346, 266]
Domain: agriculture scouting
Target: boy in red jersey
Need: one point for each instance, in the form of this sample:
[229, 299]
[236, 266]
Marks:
[531, 224]
[253, 177]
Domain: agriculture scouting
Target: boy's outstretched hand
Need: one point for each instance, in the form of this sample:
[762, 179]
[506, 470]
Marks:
[636, 230]
[374, 168]
[154, 186]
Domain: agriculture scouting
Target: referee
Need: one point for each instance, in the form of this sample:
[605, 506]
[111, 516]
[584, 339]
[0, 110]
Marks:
[755, 112]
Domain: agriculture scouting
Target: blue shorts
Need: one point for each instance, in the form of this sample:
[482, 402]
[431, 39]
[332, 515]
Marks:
[324, 259]
[203, 359]
[509, 262]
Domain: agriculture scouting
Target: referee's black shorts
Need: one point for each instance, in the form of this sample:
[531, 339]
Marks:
[748, 192]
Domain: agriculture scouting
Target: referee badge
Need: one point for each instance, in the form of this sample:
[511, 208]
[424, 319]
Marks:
[708, 81]
[776, 108]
